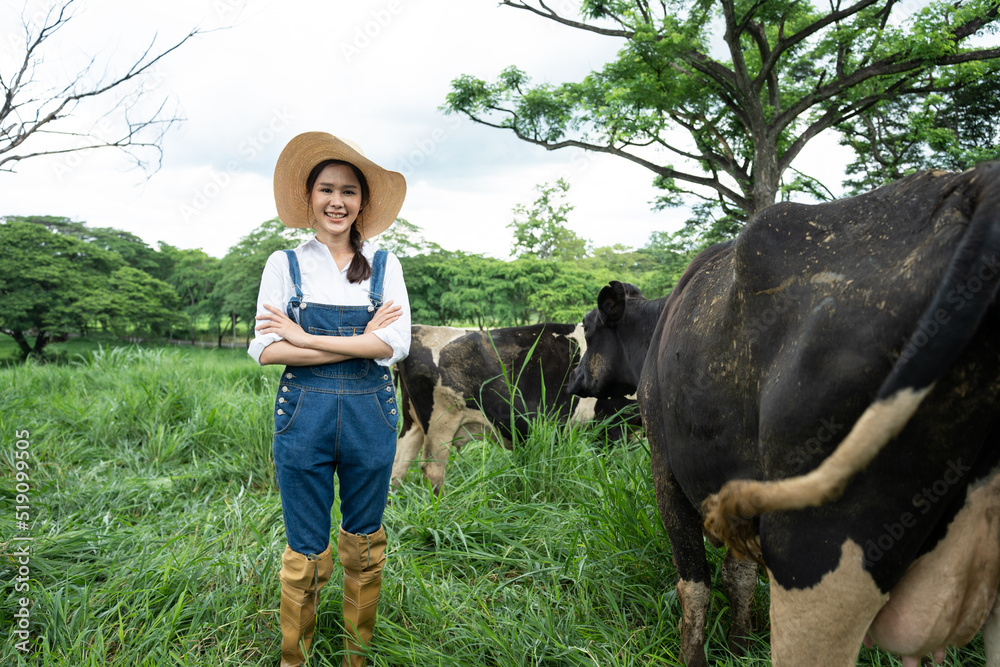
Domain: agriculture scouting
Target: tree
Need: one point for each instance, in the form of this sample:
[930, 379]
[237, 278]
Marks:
[50, 284]
[560, 291]
[59, 277]
[540, 232]
[34, 111]
[953, 131]
[456, 288]
[126, 245]
[725, 130]
[141, 304]
[663, 259]
[193, 274]
[428, 279]
[614, 262]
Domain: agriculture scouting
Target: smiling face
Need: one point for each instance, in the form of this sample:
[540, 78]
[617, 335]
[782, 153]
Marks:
[336, 199]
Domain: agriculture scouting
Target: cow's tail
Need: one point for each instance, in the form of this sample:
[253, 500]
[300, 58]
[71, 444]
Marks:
[954, 314]
[406, 409]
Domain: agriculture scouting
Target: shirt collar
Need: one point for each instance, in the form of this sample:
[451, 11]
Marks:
[314, 245]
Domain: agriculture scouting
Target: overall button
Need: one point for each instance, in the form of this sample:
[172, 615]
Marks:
[393, 411]
[284, 389]
[288, 376]
[302, 306]
[280, 411]
[371, 309]
[281, 400]
[388, 388]
[390, 400]
[385, 377]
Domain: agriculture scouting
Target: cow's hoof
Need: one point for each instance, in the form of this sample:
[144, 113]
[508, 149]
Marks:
[695, 658]
[739, 643]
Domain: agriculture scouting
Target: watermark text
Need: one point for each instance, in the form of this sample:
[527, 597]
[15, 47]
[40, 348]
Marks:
[21, 554]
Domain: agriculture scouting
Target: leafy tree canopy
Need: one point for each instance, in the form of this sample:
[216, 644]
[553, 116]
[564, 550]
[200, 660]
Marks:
[44, 279]
[540, 232]
[126, 245]
[717, 98]
[141, 304]
[953, 130]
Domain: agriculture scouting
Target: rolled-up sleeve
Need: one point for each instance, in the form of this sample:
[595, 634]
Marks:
[273, 290]
[397, 334]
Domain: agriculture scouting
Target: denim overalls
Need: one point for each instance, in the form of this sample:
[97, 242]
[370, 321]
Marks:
[334, 418]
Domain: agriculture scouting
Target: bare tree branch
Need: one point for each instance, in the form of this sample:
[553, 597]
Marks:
[666, 172]
[28, 113]
[552, 16]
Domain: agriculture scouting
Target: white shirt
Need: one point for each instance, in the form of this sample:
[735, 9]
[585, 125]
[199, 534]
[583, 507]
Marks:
[323, 282]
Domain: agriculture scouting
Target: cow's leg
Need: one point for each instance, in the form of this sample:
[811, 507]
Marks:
[693, 587]
[739, 578]
[991, 629]
[683, 524]
[991, 635]
[450, 429]
[437, 447]
[826, 623]
[408, 448]
[695, 598]
[444, 430]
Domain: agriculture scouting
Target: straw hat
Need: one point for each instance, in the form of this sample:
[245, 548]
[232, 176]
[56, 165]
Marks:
[386, 189]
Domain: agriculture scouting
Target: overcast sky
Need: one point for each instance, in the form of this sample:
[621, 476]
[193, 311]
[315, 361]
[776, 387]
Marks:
[375, 72]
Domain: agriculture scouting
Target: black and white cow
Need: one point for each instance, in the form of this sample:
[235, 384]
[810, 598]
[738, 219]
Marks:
[457, 384]
[823, 394]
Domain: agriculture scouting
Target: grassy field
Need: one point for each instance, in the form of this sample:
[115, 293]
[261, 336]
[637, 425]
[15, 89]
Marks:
[156, 534]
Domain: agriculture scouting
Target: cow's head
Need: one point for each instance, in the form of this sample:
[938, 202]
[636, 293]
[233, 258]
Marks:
[616, 348]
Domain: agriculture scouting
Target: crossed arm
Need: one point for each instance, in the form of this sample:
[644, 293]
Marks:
[303, 349]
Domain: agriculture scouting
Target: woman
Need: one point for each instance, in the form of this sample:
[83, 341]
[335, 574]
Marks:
[335, 312]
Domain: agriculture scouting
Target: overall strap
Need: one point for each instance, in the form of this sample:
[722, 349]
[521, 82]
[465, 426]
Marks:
[378, 273]
[296, 276]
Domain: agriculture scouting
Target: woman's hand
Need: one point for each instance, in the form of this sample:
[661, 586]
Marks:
[384, 316]
[278, 323]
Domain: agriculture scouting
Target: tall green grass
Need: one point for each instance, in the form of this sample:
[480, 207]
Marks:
[157, 534]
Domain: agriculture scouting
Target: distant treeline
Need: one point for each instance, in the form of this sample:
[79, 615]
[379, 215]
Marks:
[60, 278]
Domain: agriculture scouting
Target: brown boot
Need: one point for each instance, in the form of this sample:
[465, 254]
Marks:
[363, 557]
[301, 578]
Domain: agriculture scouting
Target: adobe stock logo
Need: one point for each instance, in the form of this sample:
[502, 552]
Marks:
[876, 549]
[424, 148]
[249, 149]
[811, 448]
[957, 298]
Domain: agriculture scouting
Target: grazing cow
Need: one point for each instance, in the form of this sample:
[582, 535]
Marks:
[822, 394]
[456, 384]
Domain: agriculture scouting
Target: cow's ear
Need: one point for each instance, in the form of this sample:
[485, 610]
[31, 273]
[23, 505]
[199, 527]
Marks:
[611, 302]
